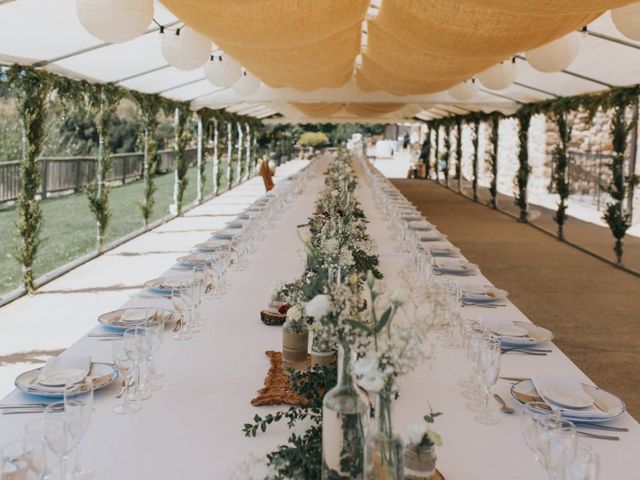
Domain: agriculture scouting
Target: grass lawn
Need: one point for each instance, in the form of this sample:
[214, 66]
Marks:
[69, 229]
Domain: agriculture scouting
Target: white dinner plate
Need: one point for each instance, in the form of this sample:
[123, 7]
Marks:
[432, 236]
[524, 392]
[164, 284]
[102, 373]
[211, 245]
[535, 336]
[566, 397]
[508, 329]
[193, 259]
[484, 294]
[455, 267]
[131, 317]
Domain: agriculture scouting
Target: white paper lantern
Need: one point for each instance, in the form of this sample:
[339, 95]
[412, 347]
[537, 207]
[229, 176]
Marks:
[499, 76]
[557, 55]
[247, 85]
[115, 20]
[627, 20]
[186, 49]
[465, 90]
[223, 71]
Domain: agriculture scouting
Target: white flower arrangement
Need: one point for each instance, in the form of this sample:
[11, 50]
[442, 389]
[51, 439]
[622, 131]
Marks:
[420, 434]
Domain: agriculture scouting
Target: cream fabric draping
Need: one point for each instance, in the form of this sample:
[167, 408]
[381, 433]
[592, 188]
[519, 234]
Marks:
[323, 110]
[423, 46]
[295, 43]
[318, 110]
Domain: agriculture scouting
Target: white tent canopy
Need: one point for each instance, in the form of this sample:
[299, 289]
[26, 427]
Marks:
[48, 34]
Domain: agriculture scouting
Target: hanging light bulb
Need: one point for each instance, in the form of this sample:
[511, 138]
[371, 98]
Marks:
[464, 90]
[627, 20]
[499, 76]
[557, 55]
[115, 21]
[247, 85]
[222, 71]
[185, 48]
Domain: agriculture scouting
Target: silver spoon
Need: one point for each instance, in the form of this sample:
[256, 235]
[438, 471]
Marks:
[503, 405]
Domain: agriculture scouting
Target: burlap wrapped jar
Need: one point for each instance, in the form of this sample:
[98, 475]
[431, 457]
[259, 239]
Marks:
[419, 462]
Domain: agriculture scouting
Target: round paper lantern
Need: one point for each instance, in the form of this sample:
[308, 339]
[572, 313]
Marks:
[185, 49]
[223, 71]
[115, 20]
[557, 55]
[627, 20]
[499, 76]
[247, 85]
[465, 90]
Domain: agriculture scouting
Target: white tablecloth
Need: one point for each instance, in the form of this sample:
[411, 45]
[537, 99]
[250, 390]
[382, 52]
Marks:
[191, 428]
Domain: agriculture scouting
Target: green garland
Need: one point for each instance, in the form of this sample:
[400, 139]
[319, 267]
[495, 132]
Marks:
[524, 169]
[561, 169]
[475, 139]
[494, 124]
[446, 155]
[102, 101]
[618, 220]
[436, 168]
[181, 138]
[425, 152]
[32, 90]
[458, 123]
[149, 107]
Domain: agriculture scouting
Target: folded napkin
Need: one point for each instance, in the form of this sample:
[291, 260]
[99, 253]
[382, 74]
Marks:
[572, 386]
[61, 371]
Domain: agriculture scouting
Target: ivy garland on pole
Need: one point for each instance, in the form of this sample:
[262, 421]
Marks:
[149, 107]
[446, 154]
[436, 167]
[229, 165]
[615, 215]
[561, 168]
[475, 140]
[458, 123]
[215, 163]
[32, 90]
[182, 114]
[102, 101]
[521, 180]
[425, 152]
[494, 124]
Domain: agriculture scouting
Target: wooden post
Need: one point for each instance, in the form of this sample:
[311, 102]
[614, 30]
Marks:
[633, 157]
[78, 164]
[199, 162]
[45, 176]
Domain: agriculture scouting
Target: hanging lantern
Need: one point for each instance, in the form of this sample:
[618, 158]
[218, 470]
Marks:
[465, 90]
[627, 20]
[557, 55]
[185, 48]
[499, 76]
[115, 20]
[223, 71]
[247, 85]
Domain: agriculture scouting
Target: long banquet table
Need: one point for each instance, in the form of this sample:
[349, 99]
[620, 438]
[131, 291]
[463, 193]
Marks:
[191, 428]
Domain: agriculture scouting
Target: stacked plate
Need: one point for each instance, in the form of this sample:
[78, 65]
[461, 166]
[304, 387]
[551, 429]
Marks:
[483, 294]
[520, 334]
[432, 236]
[132, 317]
[211, 245]
[163, 285]
[454, 267]
[30, 382]
[575, 401]
[193, 259]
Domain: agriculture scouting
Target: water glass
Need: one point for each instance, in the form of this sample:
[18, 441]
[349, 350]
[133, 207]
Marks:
[585, 464]
[125, 366]
[489, 360]
[133, 341]
[78, 407]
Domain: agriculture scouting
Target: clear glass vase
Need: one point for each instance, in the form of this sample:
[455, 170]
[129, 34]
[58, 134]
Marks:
[384, 449]
[344, 416]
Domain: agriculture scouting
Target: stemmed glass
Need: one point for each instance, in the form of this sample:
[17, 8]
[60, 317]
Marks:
[154, 330]
[473, 350]
[489, 358]
[53, 429]
[585, 464]
[155, 316]
[181, 307]
[125, 365]
[23, 459]
[134, 346]
[533, 413]
[560, 449]
[78, 406]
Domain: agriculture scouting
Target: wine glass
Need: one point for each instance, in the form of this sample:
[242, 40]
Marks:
[489, 358]
[473, 351]
[181, 307]
[585, 464]
[533, 412]
[132, 340]
[154, 329]
[560, 449]
[78, 406]
[156, 316]
[23, 459]
[124, 365]
[56, 434]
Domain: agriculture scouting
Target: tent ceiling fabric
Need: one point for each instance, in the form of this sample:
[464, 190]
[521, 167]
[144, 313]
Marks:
[306, 53]
[295, 43]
